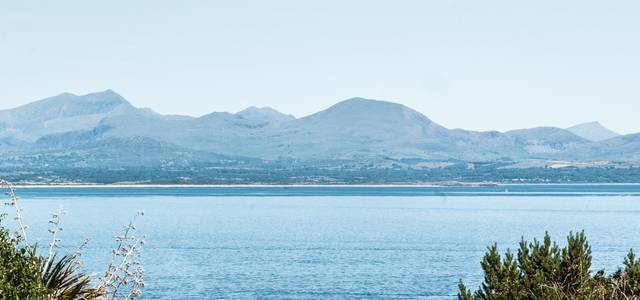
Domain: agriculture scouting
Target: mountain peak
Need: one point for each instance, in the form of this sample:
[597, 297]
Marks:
[356, 104]
[593, 131]
[105, 96]
[64, 112]
[360, 100]
[259, 110]
[362, 108]
[67, 105]
[360, 120]
[66, 94]
[263, 114]
[109, 97]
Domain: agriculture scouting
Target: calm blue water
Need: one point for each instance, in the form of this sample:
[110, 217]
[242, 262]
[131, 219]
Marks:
[274, 243]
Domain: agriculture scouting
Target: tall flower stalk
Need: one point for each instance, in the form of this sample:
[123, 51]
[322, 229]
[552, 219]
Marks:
[21, 233]
[55, 240]
[124, 277]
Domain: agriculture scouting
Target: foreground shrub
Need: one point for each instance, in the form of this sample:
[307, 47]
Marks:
[19, 270]
[542, 270]
[24, 274]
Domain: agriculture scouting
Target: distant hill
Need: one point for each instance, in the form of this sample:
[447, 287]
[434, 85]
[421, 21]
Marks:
[103, 129]
[593, 131]
[63, 113]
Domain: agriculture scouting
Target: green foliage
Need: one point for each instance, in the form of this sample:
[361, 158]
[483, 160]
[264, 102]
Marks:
[627, 280]
[25, 275]
[541, 270]
[63, 281]
[19, 270]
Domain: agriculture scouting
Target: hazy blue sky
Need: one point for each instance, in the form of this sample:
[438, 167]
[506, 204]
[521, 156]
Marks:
[468, 64]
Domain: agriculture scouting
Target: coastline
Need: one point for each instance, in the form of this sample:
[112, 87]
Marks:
[430, 185]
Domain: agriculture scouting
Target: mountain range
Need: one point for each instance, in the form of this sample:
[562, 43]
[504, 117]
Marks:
[104, 129]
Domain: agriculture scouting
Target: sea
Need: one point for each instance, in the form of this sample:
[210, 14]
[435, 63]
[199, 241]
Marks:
[327, 242]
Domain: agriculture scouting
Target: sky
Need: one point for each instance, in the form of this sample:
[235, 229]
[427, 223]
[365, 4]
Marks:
[478, 65]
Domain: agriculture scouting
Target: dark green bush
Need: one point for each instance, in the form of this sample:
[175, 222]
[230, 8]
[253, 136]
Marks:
[26, 275]
[542, 270]
[19, 270]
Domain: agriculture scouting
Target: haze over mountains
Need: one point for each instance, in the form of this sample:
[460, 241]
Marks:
[103, 129]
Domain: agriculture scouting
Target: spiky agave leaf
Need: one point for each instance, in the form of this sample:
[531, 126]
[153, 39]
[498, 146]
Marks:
[62, 278]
